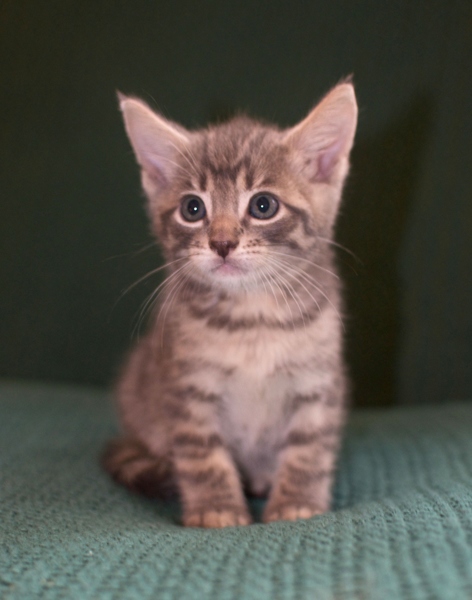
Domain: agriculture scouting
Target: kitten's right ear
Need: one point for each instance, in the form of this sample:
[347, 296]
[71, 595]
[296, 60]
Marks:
[156, 142]
[325, 137]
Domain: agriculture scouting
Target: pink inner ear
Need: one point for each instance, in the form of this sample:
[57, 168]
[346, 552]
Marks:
[327, 160]
[153, 180]
[155, 168]
[157, 176]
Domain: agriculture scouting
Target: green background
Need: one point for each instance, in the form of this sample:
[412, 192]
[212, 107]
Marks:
[71, 213]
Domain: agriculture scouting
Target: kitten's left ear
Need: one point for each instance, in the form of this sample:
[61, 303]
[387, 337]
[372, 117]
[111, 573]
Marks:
[157, 143]
[324, 138]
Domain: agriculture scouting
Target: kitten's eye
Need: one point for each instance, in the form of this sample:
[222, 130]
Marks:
[192, 208]
[263, 206]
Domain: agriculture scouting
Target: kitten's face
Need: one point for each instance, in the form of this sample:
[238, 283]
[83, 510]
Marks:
[232, 204]
[239, 205]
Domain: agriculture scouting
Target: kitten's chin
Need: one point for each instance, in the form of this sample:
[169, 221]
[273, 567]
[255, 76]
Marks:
[226, 270]
[230, 276]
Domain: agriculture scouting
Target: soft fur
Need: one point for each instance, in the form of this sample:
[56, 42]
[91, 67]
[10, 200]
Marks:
[240, 381]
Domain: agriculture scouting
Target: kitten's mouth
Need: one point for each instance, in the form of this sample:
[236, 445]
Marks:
[227, 269]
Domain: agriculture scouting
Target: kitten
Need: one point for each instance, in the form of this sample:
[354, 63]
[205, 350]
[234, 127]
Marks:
[240, 382]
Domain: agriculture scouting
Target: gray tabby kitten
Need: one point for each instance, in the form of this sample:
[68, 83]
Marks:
[240, 382]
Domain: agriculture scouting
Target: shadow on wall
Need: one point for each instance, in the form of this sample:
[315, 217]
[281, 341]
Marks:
[377, 203]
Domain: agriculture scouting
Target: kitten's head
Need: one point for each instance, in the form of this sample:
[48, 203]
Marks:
[224, 200]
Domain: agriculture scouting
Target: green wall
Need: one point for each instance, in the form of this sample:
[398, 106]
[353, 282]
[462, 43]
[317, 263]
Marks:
[71, 213]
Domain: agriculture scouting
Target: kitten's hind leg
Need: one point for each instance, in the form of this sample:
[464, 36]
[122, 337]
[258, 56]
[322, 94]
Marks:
[130, 463]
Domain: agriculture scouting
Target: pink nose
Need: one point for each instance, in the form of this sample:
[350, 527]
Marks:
[223, 247]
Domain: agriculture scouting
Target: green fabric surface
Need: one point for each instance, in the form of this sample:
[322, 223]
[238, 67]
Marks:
[401, 527]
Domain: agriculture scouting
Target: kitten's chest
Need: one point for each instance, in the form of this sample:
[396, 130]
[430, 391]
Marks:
[255, 372]
[252, 372]
[254, 408]
[253, 418]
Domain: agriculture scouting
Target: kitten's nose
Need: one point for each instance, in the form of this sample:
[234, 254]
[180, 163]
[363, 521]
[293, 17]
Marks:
[223, 247]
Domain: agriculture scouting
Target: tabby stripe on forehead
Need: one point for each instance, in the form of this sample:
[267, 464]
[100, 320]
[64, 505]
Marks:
[249, 177]
[187, 184]
[203, 180]
[248, 171]
[227, 171]
[253, 154]
[267, 181]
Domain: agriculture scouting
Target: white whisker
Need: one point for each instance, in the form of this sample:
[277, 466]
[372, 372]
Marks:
[296, 257]
[193, 164]
[301, 274]
[177, 165]
[265, 278]
[183, 278]
[153, 272]
[291, 290]
[284, 295]
[280, 265]
[153, 297]
[269, 283]
[337, 245]
[132, 253]
[141, 279]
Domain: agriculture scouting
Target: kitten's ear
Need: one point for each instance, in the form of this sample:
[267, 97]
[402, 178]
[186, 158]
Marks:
[156, 142]
[324, 138]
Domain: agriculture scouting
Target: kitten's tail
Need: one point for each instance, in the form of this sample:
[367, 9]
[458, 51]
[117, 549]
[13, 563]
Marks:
[129, 463]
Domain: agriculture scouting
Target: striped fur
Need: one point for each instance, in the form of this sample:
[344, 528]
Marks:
[240, 379]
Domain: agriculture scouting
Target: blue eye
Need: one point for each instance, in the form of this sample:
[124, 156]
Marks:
[263, 206]
[192, 208]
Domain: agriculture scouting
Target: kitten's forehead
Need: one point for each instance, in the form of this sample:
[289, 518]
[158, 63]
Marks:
[240, 154]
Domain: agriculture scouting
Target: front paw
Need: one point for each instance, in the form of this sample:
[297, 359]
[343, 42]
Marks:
[216, 518]
[289, 512]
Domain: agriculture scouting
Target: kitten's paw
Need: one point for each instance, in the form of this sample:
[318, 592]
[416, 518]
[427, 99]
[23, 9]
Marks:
[290, 512]
[216, 518]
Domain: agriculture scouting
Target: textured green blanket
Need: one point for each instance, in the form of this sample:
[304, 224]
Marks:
[401, 528]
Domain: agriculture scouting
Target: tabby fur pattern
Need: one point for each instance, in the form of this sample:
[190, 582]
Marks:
[240, 382]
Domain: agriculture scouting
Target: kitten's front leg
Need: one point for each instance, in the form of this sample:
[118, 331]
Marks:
[302, 485]
[207, 478]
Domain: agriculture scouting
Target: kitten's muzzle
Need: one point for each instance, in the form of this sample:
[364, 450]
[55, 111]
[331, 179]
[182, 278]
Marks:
[223, 247]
